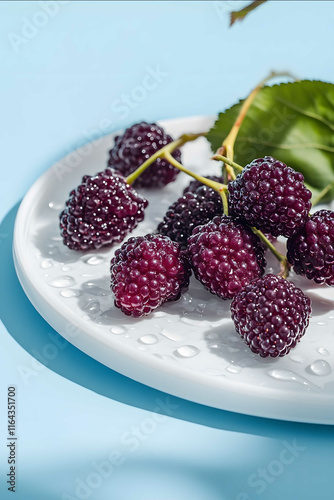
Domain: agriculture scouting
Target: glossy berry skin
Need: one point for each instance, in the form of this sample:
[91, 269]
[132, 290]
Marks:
[271, 314]
[101, 211]
[146, 272]
[311, 249]
[225, 256]
[194, 185]
[270, 196]
[189, 211]
[135, 146]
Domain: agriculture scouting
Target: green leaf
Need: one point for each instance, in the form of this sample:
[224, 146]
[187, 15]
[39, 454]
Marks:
[239, 15]
[293, 122]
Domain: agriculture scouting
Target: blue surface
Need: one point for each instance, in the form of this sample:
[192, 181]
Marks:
[85, 431]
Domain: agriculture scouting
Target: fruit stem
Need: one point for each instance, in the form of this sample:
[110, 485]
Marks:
[227, 147]
[217, 186]
[229, 162]
[285, 266]
[169, 148]
[322, 193]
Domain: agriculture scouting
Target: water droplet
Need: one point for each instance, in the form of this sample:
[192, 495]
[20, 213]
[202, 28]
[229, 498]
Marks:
[94, 289]
[320, 367]
[86, 317]
[94, 260]
[289, 376]
[158, 314]
[55, 206]
[192, 322]
[46, 263]
[148, 339]
[66, 269]
[200, 308]
[118, 330]
[296, 359]
[92, 307]
[171, 335]
[68, 293]
[321, 323]
[233, 369]
[323, 351]
[187, 351]
[62, 282]
[330, 317]
[53, 250]
[127, 336]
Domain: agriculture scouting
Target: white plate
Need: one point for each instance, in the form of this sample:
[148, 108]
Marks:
[187, 348]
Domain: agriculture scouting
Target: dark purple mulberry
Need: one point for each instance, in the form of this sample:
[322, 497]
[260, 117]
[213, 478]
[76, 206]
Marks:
[271, 314]
[100, 212]
[146, 272]
[136, 145]
[270, 196]
[189, 211]
[225, 256]
[311, 249]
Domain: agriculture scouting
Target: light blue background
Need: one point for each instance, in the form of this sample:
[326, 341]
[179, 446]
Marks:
[61, 87]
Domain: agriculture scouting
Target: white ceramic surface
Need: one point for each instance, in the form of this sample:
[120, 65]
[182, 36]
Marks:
[187, 348]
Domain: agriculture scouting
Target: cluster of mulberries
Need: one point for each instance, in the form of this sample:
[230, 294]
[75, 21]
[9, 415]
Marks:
[270, 313]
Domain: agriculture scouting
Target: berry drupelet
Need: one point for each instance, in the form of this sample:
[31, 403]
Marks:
[271, 314]
[146, 272]
[135, 146]
[311, 249]
[270, 196]
[189, 211]
[101, 211]
[225, 256]
[194, 185]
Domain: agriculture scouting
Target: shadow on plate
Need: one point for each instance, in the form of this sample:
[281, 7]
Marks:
[30, 330]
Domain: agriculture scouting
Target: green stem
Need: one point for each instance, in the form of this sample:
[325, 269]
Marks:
[322, 193]
[285, 266]
[236, 166]
[169, 148]
[217, 186]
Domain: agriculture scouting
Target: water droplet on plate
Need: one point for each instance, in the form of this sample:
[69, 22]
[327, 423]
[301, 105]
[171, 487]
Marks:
[187, 351]
[233, 369]
[46, 264]
[66, 269]
[68, 293]
[290, 376]
[94, 289]
[92, 307]
[171, 335]
[158, 314]
[117, 330]
[320, 367]
[149, 339]
[94, 260]
[296, 359]
[192, 322]
[55, 206]
[321, 323]
[323, 351]
[62, 282]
